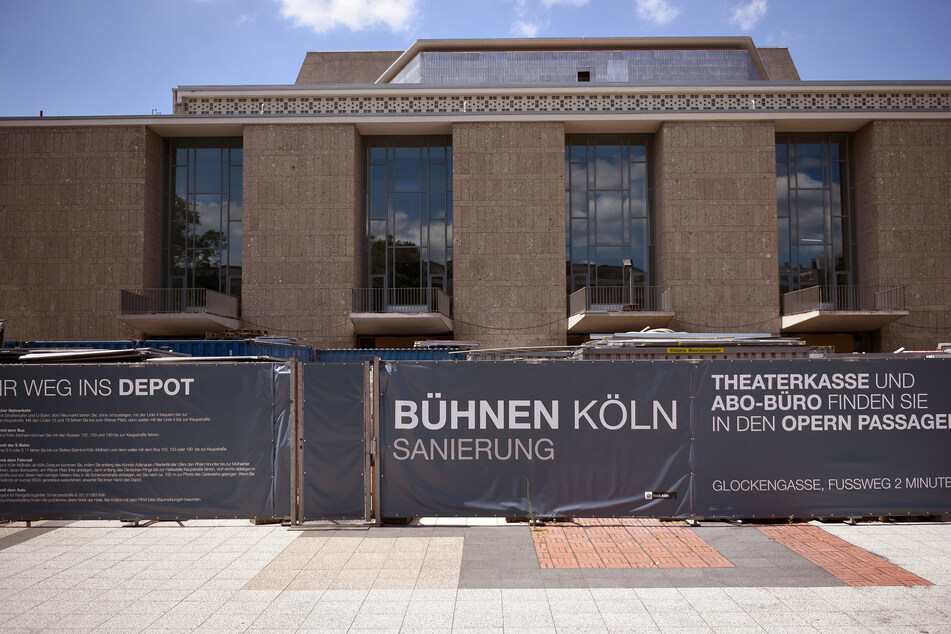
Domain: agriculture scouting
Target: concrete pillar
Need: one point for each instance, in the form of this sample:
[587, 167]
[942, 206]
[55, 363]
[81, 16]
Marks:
[509, 233]
[80, 216]
[301, 231]
[903, 200]
[716, 228]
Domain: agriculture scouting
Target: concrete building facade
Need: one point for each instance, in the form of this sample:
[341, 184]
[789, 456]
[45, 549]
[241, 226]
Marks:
[509, 192]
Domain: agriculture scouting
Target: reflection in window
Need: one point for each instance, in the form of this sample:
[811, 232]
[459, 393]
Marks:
[202, 215]
[609, 197]
[815, 195]
[408, 212]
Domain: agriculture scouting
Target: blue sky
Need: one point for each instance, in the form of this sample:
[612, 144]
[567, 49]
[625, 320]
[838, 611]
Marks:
[102, 57]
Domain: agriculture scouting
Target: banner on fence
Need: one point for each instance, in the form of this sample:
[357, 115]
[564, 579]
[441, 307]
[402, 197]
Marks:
[333, 435]
[142, 441]
[544, 439]
[822, 437]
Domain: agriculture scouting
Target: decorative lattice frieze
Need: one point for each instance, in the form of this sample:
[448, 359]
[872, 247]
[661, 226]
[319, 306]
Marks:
[678, 102]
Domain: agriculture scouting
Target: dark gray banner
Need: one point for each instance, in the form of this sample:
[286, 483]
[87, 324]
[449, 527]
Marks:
[823, 437]
[283, 440]
[140, 441]
[544, 439]
[333, 425]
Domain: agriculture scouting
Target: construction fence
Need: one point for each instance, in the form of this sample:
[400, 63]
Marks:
[850, 436]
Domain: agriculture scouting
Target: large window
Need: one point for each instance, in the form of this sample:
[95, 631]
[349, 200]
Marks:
[408, 198]
[815, 194]
[202, 222]
[609, 196]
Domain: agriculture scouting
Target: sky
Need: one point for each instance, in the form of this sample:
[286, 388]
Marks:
[109, 57]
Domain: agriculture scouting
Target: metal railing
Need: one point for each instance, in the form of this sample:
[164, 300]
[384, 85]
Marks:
[844, 298]
[401, 300]
[178, 300]
[619, 298]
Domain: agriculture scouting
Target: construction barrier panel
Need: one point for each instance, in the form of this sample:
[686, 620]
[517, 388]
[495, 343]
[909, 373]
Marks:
[333, 440]
[545, 439]
[157, 441]
[712, 439]
[822, 437]
[851, 436]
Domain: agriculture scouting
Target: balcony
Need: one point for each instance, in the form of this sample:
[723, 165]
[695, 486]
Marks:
[842, 308]
[179, 312]
[618, 309]
[401, 311]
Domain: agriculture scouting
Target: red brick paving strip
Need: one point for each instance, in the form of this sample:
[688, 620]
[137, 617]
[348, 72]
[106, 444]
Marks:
[849, 563]
[623, 543]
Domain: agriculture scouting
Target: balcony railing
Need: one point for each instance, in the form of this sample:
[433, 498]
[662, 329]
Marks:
[401, 300]
[178, 300]
[619, 298]
[865, 298]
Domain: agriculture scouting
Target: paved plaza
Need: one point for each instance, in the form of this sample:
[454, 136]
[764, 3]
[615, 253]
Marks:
[476, 575]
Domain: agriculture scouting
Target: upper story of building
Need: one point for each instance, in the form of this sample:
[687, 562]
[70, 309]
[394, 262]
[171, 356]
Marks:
[555, 61]
[573, 79]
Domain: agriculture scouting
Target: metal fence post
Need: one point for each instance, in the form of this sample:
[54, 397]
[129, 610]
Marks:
[297, 457]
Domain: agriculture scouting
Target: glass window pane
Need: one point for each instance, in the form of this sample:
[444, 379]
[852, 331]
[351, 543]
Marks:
[377, 256]
[610, 268]
[580, 275]
[378, 229]
[638, 183]
[406, 169]
[237, 195]
[437, 177]
[782, 179]
[639, 245]
[437, 242]
[578, 153]
[234, 245]
[783, 240]
[579, 233]
[437, 204]
[206, 221]
[405, 217]
[813, 266]
[638, 153]
[811, 217]
[781, 154]
[237, 156]
[208, 170]
[406, 268]
[181, 181]
[809, 165]
[378, 191]
[610, 220]
[608, 167]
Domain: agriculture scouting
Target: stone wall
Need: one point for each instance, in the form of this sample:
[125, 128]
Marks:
[300, 249]
[80, 219]
[509, 233]
[903, 199]
[779, 64]
[345, 67]
[716, 225]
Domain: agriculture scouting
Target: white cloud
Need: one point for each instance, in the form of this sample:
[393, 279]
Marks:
[574, 3]
[657, 11]
[525, 29]
[356, 15]
[747, 15]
